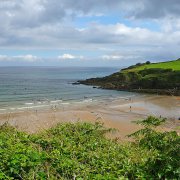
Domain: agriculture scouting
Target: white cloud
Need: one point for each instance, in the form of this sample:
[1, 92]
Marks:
[28, 58]
[3, 57]
[39, 12]
[124, 56]
[20, 58]
[95, 36]
[49, 24]
[69, 56]
[66, 56]
[112, 57]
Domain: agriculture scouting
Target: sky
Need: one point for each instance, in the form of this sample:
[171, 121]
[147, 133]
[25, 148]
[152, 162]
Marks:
[88, 32]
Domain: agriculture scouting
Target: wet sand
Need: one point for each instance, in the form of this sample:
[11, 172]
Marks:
[116, 113]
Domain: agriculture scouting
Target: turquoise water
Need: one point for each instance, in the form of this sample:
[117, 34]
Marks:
[36, 86]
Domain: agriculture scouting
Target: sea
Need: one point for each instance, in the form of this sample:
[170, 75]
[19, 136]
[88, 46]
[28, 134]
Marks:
[33, 87]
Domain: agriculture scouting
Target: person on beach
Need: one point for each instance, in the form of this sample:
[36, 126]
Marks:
[130, 108]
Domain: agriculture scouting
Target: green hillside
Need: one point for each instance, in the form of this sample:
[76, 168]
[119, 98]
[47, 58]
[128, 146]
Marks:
[161, 78]
[174, 65]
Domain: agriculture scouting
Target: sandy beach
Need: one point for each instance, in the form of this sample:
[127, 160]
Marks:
[117, 113]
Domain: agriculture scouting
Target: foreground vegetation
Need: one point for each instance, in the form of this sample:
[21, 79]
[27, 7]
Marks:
[81, 151]
[161, 78]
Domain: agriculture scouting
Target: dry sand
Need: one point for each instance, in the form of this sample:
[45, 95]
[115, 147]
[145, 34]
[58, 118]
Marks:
[117, 114]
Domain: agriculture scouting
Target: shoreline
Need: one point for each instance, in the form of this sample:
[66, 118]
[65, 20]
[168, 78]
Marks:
[113, 113]
[165, 92]
[57, 102]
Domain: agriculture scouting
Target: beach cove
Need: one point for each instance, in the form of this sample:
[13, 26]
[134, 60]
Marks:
[37, 98]
[113, 113]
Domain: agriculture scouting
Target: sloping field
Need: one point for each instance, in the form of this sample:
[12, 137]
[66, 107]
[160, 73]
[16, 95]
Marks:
[174, 65]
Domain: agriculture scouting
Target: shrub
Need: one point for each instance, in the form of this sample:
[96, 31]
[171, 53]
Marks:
[165, 164]
[148, 62]
[81, 151]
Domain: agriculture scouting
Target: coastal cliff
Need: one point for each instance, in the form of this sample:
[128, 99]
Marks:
[160, 78]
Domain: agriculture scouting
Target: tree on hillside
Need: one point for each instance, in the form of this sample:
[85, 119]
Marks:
[148, 62]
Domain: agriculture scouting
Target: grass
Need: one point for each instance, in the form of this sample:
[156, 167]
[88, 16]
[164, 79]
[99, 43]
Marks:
[158, 78]
[81, 151]
[174, 65]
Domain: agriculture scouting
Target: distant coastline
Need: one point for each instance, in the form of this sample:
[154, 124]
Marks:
[154, 78]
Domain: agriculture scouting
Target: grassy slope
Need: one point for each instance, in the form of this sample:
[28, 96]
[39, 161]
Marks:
[161, 78]
[174, 65]
[81, 151]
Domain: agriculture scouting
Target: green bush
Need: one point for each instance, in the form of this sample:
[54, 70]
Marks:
[81, 151]
[166, 164]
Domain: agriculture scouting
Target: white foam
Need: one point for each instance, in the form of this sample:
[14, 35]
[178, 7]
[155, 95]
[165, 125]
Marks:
[28, 103]
[31, 107]
[56, 101]
[12, 108]
[88, 100]
[65, 103]
[78, 102]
